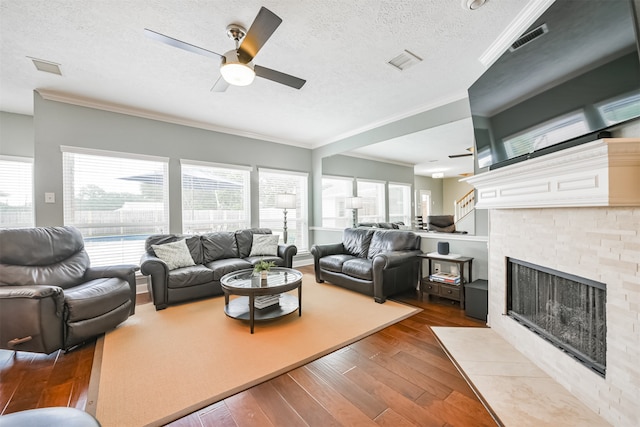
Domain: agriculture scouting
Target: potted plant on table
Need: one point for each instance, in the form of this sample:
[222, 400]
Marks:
[263, 268]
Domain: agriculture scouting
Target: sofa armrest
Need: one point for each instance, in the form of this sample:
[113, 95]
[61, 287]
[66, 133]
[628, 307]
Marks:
[124, 271]
[386, 260]
[319, 251]
[157, 273]
[287, 252]
[31, 318]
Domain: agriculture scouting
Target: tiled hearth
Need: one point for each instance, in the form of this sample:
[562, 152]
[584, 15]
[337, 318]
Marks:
[598, 240]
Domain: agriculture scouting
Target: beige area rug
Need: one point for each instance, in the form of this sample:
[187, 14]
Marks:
[518, 392]
[162, 365]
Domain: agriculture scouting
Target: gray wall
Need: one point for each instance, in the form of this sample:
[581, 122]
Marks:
[16, 134]
[59, 124]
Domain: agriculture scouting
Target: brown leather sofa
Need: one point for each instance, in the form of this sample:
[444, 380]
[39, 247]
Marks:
[374, 262]
[50, 297]
[214, 254]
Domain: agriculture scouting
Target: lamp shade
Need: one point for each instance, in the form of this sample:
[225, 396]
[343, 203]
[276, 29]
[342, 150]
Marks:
[353, 203]
[286, 201]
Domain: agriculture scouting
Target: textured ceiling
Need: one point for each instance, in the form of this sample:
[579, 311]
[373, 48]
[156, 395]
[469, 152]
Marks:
[340, 47]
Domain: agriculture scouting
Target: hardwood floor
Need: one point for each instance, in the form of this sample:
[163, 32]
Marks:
[399, 376]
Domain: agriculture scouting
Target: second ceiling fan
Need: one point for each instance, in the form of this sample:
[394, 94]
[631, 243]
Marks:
[236, 66]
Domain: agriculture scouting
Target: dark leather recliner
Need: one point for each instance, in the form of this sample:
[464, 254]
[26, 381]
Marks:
[50, 297]
[374, 262]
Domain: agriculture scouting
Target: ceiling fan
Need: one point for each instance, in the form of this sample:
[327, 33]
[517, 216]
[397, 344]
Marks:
[455, 156]
[236, 66]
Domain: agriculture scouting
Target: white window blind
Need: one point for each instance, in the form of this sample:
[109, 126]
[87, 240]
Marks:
[116, 200]
[214, 198]
[400, 203]
[16, 192]
[335, 190]
[373, 200]
[274, 182]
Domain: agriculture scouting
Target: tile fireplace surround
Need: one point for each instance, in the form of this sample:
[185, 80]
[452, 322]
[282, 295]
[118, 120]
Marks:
[577, 211]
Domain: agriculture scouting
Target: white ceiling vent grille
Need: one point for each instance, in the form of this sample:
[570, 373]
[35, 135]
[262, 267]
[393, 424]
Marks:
[46, 66]
[405, 60]
[529, 37]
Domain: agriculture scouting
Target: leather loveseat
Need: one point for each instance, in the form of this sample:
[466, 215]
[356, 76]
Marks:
[374, 262]
[50, 298]
[214, 255]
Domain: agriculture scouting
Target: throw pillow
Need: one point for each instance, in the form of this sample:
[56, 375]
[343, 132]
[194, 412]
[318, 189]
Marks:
[264, 244]
[175, 254]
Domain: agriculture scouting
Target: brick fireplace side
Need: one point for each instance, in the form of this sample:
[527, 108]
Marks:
[601, 244]
[576, 211]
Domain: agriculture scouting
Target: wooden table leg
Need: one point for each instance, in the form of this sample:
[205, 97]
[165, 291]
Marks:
[251, 311]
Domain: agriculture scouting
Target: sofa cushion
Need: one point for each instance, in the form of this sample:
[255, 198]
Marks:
[221, 267]
[334, 262]
[392, 240]
[264, 244]
[95, 298]
[356, 241]
[244, 238]
[189, 276]
[219, 245]
[175, 254]
[361, 268]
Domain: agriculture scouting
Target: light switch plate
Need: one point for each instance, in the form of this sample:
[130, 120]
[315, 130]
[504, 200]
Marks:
[49, 197]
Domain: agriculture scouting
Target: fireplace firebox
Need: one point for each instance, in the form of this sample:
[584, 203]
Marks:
[566, 310]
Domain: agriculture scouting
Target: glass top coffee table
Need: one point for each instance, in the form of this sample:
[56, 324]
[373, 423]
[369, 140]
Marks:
[262, 299]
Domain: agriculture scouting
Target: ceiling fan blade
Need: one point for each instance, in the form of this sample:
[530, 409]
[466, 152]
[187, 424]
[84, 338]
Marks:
[278, 77]
[180, 44]
[263, 26]
[455, 156]
[220, 85]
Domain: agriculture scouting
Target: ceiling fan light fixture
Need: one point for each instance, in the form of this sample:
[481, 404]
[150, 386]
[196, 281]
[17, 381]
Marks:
[237, 74]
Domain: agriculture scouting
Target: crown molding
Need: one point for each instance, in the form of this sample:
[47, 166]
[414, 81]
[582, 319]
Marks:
[66, 98]
[523, 20]
[376, 159]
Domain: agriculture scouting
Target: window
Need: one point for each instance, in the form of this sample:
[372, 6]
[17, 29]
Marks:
[373, 199]
[16, 192]
[546, 134]
[620, 108]
[400, 203]
[116, 200]
[214, 197]
[274, 182]
[334, 192]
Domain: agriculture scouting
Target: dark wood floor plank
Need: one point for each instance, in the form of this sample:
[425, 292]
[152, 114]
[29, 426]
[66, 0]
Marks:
[275, 407]
[390, 418]
[392, 380]
[246, 411]
[313, 413]
[407, 408]
[217, 416]
[339, 406]
[357, 395]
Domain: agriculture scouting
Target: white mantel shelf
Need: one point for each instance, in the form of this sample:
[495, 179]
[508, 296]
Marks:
[605, 172]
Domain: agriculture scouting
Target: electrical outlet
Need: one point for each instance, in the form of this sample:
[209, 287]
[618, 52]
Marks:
[436, 267]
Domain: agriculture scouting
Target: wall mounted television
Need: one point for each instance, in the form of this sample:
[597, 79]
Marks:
[570, 78]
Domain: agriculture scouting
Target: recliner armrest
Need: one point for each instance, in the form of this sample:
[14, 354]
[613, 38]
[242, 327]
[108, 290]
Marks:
[125, 272]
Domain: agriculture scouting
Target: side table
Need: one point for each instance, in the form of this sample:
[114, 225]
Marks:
[445, 290]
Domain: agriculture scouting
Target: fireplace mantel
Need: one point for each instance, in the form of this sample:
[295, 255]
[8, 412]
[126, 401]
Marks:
[605, 172]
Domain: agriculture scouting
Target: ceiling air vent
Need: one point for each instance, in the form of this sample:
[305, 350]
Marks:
[529, 37]
[46, 66]
[405, 60]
